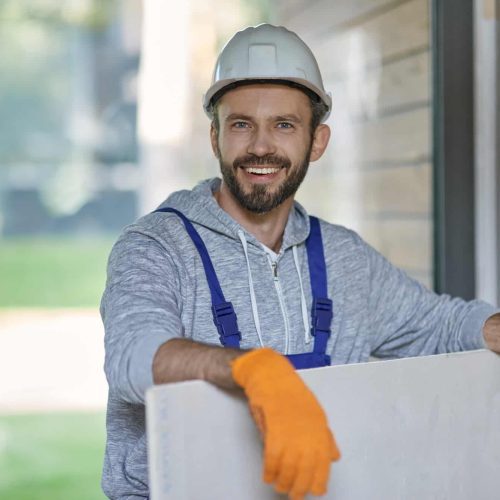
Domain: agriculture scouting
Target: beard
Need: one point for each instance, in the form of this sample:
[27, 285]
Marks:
[261, 199]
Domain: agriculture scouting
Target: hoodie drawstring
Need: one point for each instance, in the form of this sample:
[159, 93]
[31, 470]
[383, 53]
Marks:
[253, 300]
[303, 305]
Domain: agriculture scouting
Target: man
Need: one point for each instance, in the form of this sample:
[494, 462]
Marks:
[237, 262]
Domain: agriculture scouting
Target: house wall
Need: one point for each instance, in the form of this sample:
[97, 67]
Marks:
[377, 174]
[487, 164]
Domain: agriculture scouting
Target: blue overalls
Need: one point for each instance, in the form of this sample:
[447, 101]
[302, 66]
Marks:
[322, 311]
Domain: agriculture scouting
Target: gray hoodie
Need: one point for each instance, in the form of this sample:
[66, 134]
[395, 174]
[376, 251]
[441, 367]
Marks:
[156, 290]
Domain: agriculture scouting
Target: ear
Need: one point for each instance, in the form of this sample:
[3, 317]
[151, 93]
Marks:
[214, 140]
[320, 141]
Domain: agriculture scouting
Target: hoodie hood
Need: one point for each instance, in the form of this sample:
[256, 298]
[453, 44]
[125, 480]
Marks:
[200, 207]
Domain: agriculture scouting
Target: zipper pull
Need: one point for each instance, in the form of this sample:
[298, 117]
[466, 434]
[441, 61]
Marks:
[275, 270]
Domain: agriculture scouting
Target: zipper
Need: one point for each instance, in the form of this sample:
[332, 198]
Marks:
[281, 299]
[274, 265]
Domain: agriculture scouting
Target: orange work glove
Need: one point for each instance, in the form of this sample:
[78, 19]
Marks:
[298, 445]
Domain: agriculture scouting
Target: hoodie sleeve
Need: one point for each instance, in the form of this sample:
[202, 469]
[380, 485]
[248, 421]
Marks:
[140, 311]
[408, 319]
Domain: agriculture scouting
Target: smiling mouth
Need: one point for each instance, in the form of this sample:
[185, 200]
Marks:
[262, 170]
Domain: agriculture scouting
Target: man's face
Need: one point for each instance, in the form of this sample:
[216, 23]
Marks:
[264, 143]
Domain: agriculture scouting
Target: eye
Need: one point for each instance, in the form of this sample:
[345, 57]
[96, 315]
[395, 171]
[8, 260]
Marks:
[240, 125]
[285, 125]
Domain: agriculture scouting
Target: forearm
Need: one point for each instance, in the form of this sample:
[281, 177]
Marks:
[491, 332]
[182, 359]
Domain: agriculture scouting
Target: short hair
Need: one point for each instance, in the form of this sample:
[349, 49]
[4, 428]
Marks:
[318, 107]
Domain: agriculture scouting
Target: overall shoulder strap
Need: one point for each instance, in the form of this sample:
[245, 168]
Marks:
[322, 307]
[223, 312]
[316, 259]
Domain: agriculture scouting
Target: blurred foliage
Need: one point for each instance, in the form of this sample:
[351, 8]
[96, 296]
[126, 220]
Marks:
[36, 44]
[90, 14]
[52, 272]
[51, 457]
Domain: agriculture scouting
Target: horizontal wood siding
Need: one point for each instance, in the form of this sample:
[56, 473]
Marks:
[376, 176]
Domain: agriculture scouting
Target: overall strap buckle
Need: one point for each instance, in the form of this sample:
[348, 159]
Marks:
[227, 325]
[322, 314]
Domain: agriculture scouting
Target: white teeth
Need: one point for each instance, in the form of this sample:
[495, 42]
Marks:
[262, 171]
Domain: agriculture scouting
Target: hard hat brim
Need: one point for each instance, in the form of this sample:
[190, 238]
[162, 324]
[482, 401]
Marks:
[217, 90]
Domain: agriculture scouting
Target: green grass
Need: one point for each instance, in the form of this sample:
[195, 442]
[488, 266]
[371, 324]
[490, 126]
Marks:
[52, 456]
[52, 273]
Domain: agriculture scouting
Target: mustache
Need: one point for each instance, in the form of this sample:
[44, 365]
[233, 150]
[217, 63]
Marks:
[261, 161]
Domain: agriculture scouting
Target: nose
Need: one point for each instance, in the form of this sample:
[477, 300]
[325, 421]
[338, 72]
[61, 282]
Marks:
[261, 143]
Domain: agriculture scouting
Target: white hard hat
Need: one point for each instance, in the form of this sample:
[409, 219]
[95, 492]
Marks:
[266, 52]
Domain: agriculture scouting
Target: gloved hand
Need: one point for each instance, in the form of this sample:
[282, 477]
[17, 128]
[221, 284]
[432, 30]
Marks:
[298, 445]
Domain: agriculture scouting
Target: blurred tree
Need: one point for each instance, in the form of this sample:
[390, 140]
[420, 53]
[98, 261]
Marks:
[35, 86]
